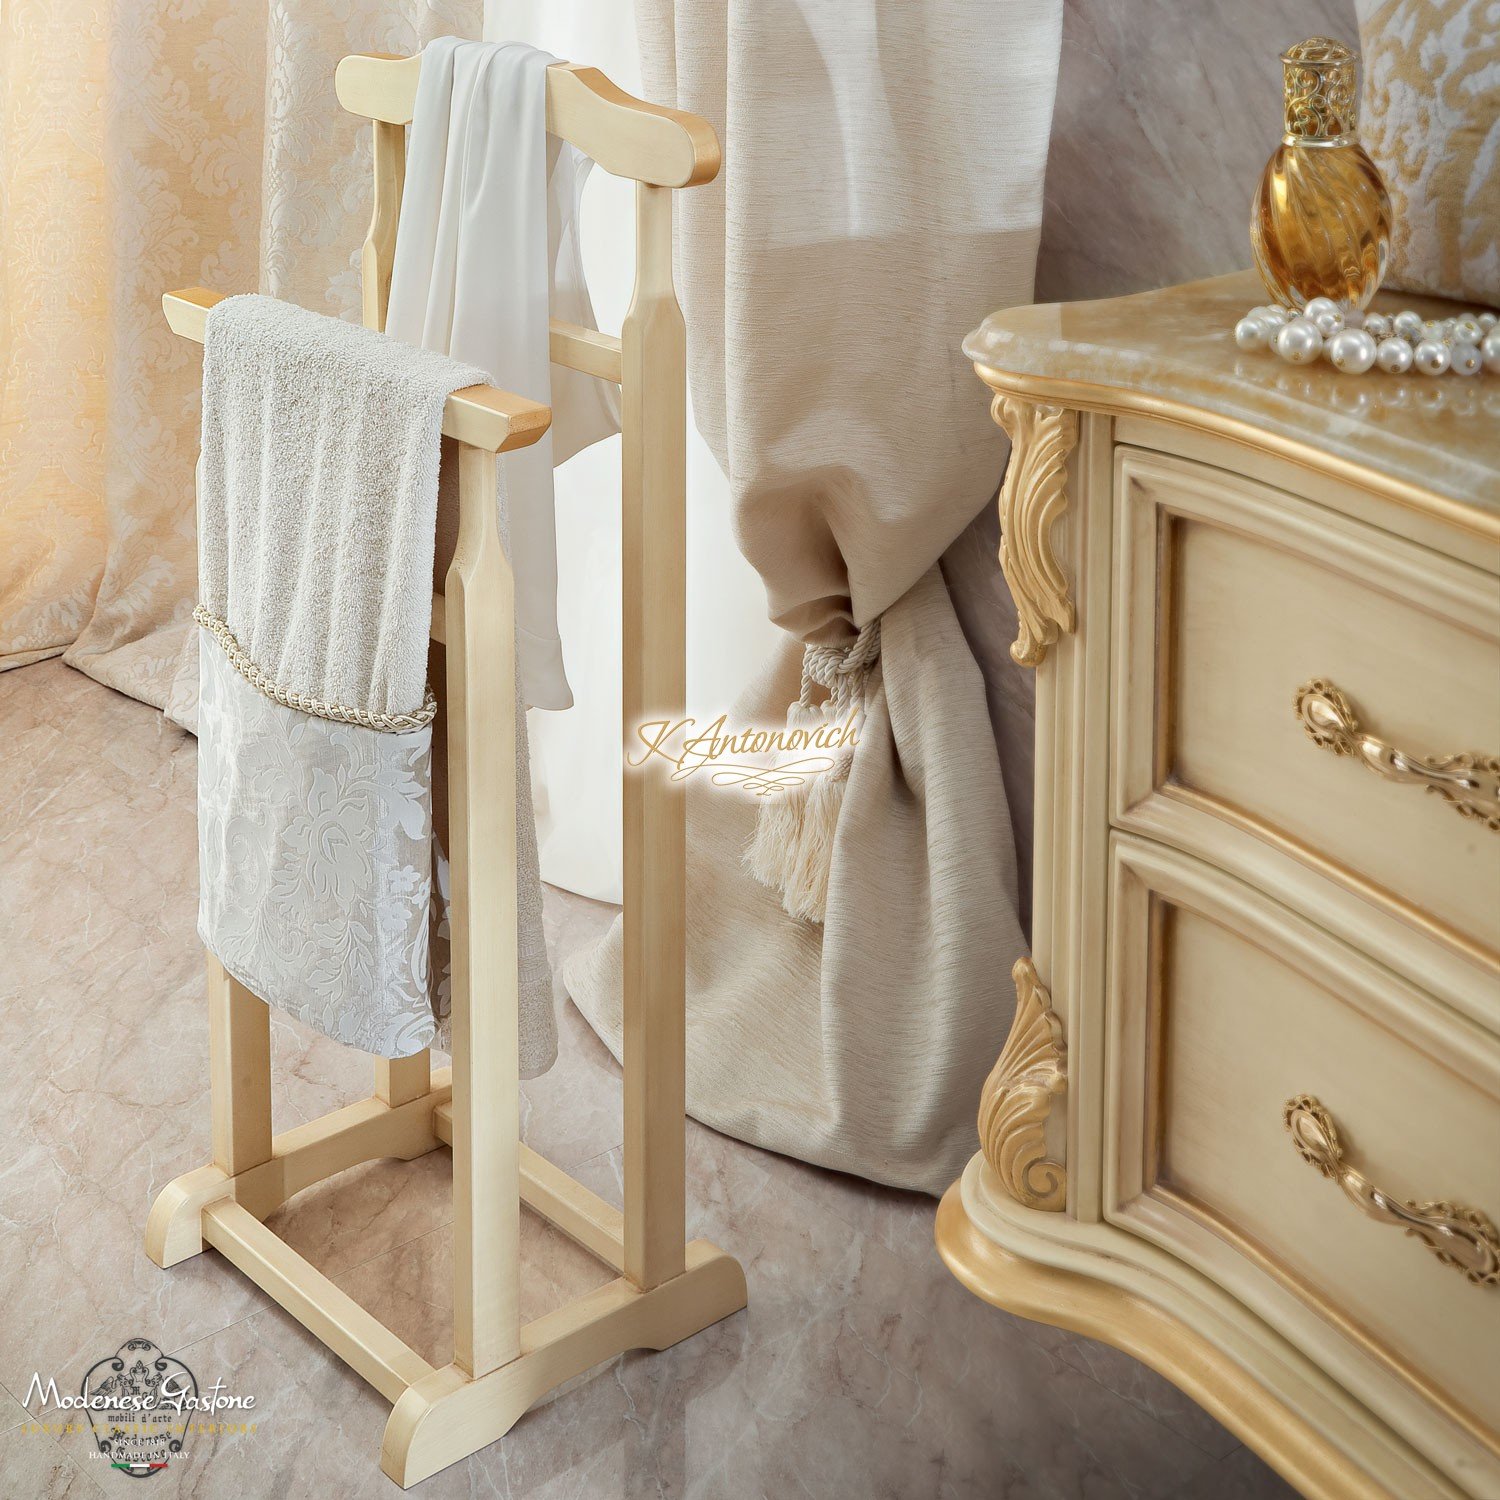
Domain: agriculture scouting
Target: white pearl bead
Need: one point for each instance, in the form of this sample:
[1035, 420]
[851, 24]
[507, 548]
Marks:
[1251, 332]
[1466, 359]
[1299, 342]
[1353, 341]
[1430, 357]
[1351, 350]
[1394, 356]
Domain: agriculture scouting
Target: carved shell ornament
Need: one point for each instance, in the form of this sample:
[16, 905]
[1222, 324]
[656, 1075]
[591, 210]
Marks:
[1018, 1096]
[1033, 496]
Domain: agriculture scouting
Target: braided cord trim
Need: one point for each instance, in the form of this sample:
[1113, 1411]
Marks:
[302, 702]
[842, 670]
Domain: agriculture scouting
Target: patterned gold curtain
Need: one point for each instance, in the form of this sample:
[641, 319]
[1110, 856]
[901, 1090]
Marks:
[146, 145]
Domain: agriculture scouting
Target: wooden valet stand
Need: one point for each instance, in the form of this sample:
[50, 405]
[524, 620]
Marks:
[665, 1289]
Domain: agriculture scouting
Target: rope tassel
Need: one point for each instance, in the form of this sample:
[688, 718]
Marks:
[792, 850]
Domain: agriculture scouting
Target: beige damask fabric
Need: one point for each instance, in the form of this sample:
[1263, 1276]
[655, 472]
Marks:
[1430, 117]
[145, 145]
[315, 865]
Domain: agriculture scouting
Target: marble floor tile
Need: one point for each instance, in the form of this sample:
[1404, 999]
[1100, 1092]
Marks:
[1240, 1476]
[33, 1466]
[367, 1212]
[314, 1432]
[902, 1221]
[12, 1413]
[857, 1362]
[860, 1367]
[1134, 1382]
[410, 1288]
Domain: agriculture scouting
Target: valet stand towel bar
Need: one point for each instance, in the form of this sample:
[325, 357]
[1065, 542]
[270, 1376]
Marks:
[665, 1289]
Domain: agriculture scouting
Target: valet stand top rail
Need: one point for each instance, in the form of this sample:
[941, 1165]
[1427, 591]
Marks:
[665, 1289]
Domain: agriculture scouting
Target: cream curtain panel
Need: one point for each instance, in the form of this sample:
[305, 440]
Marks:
[145, 145]
[881, 190]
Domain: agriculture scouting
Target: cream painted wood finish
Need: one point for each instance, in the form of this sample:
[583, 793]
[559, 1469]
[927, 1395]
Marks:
[1223, 1005]
[664, 1289]
[1229, 917]
[1234, 595]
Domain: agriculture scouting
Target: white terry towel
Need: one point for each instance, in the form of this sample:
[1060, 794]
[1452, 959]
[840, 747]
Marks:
[317, 511]
[486, 247]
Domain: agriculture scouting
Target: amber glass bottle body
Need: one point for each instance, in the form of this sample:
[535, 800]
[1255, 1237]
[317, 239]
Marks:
[1321, 224]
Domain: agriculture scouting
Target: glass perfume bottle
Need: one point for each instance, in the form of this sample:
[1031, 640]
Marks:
[1320, 225]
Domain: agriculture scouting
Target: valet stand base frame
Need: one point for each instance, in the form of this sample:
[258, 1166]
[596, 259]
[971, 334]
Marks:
[439, 1415]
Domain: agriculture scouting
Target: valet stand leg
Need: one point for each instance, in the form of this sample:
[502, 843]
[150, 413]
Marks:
[454, 1410]
[239, 1071]
[654, 681]
[239, 1075]
[481, 711]
[399, 1080]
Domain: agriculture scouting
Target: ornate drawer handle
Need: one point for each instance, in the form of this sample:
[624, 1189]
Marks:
[1470, 781]
[1460, 1237]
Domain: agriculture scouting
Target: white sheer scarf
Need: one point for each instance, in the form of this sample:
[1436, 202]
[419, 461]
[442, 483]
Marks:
[486, 248]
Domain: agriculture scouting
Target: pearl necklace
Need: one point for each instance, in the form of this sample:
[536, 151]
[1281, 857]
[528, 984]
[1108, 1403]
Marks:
[1352, 341]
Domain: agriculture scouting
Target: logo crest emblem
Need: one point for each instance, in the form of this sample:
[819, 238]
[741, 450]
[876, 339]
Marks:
[138, 1402]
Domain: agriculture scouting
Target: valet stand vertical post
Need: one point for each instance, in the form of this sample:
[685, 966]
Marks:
[665, 1289]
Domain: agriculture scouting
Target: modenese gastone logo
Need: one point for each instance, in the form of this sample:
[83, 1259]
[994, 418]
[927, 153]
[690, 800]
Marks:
[140, 1403]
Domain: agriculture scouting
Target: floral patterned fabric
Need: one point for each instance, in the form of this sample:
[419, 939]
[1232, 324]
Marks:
[146, 145]
[321, 884]
[315, 864]
[1430, 117]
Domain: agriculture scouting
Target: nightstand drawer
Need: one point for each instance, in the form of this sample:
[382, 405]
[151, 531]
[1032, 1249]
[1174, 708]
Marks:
[1283, 1110]
[1245, 616]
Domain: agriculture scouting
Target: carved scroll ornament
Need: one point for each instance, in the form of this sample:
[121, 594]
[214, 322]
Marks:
[1018, 1096]
[1033, 496]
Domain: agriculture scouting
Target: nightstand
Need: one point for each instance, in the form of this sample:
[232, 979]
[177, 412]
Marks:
[1246, 1126]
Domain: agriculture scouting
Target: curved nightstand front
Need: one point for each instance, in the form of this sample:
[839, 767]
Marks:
[1245, 1125]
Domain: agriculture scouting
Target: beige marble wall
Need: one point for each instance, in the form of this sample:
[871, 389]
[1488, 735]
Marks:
[1166, 112]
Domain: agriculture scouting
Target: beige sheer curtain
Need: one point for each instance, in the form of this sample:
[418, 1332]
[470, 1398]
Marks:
[882, 189]
[145, 145]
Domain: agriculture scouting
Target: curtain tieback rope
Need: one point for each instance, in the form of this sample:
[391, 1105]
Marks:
[792, 849]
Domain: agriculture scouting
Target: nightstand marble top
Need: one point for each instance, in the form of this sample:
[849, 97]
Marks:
[1171, 353]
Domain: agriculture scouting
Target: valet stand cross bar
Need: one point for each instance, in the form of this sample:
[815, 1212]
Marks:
[665, 1289]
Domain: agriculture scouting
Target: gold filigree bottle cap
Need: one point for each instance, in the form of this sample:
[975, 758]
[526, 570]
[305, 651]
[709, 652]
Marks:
[1322, 102]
